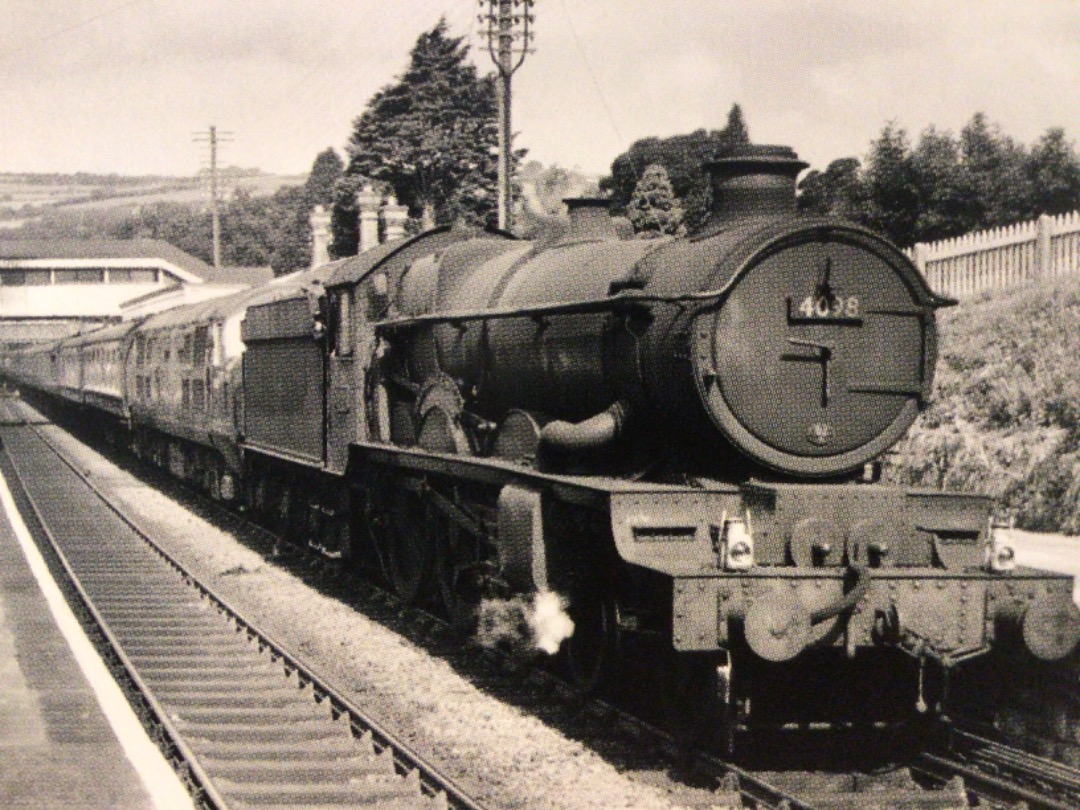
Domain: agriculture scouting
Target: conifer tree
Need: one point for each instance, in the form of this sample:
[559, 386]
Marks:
[431, 136]
[653, 209]
[735, 131]
[1055, 174]
[682, 156]
[891, 186]
[998, 187]
[325, 172]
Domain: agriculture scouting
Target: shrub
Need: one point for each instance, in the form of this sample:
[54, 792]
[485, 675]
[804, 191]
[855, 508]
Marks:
[1005, 417]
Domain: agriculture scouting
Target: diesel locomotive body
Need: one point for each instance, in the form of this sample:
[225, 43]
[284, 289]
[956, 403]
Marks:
[678, 436]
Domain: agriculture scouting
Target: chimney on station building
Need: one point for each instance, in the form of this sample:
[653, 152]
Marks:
[367, 201]
[393, 219]
[380, 220]
[320, 236]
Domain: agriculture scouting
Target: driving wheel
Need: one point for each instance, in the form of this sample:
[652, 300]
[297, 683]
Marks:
[592, 651]
[403, 547]
[459, 572]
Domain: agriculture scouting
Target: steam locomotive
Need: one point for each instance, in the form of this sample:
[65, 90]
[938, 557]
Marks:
[678, 437]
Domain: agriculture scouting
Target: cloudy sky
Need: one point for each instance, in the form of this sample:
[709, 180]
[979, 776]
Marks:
[123, 85]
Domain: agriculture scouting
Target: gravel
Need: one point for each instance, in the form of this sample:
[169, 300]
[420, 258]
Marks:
[505, 756]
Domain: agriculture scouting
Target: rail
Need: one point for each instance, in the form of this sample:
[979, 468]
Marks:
[407, 761]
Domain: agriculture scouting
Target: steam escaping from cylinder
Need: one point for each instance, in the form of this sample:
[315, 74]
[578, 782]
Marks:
[525, 623]
[551, 625]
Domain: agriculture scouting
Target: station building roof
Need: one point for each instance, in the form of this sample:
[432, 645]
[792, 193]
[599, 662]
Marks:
[107, 278]
[56, 252]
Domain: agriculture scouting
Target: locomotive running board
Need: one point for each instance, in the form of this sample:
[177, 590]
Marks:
[660, 527]
[582, 490]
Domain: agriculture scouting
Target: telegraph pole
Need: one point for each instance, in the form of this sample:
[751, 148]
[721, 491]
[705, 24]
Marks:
[213, 138]
[509, 32]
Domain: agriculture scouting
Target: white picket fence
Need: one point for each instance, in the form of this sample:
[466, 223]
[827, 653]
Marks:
[1001, 257]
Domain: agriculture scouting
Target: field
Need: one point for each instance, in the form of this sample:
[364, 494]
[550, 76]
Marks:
[23, 196]
[1005, 419]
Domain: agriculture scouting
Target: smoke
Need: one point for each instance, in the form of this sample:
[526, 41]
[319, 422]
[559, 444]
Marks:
[525, 623]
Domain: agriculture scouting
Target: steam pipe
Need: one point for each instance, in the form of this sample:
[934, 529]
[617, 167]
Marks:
[848, 600]
[778, 627]
[596, 431]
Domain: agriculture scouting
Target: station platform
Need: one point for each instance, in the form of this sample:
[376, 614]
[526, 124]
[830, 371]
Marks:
[1053, 552]
[64, 741]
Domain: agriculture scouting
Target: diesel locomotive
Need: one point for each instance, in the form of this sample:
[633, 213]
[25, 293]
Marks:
[679, 437]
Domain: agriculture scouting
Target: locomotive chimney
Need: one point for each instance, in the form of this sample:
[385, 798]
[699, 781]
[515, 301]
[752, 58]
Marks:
[589, 220]
[754, 180]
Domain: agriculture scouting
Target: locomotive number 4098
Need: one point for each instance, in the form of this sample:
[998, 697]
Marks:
[830, 307]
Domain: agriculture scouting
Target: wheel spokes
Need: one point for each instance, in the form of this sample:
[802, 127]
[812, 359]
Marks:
[403, 548]
[592, 651]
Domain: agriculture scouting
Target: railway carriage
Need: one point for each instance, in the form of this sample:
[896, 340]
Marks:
[185, 390]
[67, 368]
[102, 359]
[32, 366]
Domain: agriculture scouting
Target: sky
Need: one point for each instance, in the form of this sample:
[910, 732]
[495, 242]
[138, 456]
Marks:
[125, 85]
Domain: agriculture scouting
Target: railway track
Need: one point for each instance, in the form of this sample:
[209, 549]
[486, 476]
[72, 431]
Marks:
[957, 780]
[245, 722]
[915, 786]
[699, 778]
[1003, 776]
[727, 786]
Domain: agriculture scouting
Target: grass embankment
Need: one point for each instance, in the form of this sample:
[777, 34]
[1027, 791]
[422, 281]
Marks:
[1005, 419]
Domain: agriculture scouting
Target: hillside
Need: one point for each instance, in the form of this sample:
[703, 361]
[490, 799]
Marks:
[1005, 419]
[25, 196]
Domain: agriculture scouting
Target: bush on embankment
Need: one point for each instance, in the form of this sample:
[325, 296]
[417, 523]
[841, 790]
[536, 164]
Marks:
[1005, 419]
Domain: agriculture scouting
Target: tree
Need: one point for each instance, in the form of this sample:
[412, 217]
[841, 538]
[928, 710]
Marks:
[682, 156]
[735, 131]
[291, 242]
[999, 186]
[325, 172]
[891, 187]
[345, 217]
[947, 186]
[431, 136]
[270, 230]
[653, 208]
[945, 205]
[838, 191]
[1054, 172]
[185, 226]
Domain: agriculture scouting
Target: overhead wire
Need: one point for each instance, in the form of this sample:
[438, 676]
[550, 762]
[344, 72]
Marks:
[35, 41]
[591, 72]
